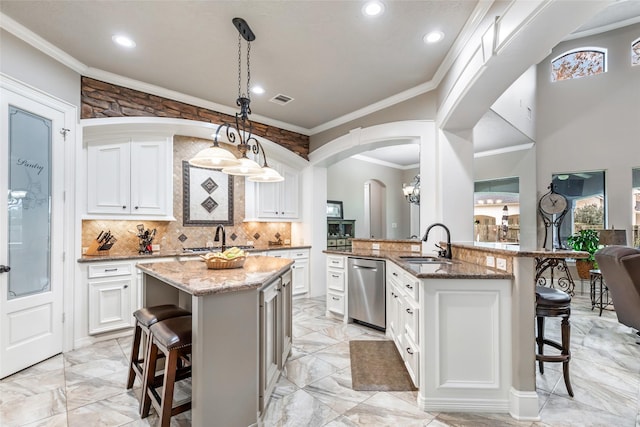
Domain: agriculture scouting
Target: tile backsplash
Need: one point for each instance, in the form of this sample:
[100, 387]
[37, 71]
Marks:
[168, 232]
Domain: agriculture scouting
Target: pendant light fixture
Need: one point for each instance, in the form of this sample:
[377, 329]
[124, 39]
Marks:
[216, 157]
[412, 191]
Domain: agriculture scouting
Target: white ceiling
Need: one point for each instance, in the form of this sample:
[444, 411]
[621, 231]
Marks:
[325, 54]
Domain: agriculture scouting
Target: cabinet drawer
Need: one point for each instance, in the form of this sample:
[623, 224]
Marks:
[279, 254]
[298, 254]
[332, 242]
[411, 286]
[109, 270]
[335, 303]
[341, 242]
[335, 261]
[412, 320]
[335, 280]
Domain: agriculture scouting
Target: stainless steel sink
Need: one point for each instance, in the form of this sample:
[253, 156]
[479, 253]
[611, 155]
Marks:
[425, 260]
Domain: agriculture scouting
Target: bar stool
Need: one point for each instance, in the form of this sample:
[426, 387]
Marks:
[171, 338]
[554, 303]
[145, 317]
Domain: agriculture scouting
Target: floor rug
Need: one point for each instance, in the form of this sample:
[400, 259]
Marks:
[377, 366]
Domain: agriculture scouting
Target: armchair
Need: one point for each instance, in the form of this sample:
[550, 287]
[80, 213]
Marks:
[620, 268]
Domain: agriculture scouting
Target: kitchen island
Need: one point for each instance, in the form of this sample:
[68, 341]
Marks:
[241, 331]
[464, 327]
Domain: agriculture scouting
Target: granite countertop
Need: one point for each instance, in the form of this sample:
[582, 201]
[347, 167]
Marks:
[196, 279]
[175, 254]
[511, 249]
[448, 269]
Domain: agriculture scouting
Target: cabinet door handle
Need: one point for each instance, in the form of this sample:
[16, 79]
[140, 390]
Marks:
[4, 268]
[409, 311]
[409, 286]
[394, 274]
[136, 207]
[409, 350]
[125, 286]
[107, 270]
[335, 298]
[124, 207]
[335, 276]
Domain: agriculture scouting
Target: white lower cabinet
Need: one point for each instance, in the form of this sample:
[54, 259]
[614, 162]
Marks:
[110, 296]
[299, 269]
[403, 317]
[113, 293]
[336, 286]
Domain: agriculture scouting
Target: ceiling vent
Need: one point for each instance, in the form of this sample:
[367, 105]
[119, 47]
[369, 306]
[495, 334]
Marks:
[281, 99]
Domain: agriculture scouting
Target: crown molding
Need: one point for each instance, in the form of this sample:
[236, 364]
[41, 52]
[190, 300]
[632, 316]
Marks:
[28, 36]
[504, 150]
[602, 29]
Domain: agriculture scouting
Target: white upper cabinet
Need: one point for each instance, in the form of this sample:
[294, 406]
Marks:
[274, 201]
[130, 176]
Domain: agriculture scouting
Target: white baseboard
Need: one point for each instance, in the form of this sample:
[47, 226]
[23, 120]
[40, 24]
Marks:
[463, 405]
[92, 339]
[523, 405]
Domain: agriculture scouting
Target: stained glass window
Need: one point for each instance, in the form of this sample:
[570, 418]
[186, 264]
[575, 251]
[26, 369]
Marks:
[635, 52]
[579, 63]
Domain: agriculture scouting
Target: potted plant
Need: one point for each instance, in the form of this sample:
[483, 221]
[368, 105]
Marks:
[585, 241]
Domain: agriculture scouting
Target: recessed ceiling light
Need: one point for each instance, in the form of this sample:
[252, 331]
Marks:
[258, 90]
[373, 8]
[124, 41]
[433, 37]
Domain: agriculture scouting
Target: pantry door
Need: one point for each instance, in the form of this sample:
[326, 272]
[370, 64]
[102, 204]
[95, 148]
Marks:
[32, 230]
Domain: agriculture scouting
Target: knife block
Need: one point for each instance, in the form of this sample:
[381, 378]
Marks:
[93, 249]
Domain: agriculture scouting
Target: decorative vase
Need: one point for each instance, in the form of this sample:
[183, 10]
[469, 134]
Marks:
[583, 266]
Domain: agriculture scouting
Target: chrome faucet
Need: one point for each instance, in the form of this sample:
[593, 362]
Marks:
[446, 253]
[224, 237]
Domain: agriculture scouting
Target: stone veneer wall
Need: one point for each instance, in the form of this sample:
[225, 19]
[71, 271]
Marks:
[101, 99]
[168, 232]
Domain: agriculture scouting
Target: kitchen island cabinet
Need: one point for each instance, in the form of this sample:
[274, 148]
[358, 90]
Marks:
[238, 331]
[466, 331]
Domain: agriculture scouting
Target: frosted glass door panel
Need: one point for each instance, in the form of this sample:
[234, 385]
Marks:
[29, 203]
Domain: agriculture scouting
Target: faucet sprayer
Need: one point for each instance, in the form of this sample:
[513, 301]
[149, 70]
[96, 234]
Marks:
[446, 253]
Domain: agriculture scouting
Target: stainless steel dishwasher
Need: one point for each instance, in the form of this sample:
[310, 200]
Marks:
[367, 291]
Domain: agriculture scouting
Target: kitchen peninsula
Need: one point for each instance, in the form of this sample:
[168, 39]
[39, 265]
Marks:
[241, 331]
[464, 326]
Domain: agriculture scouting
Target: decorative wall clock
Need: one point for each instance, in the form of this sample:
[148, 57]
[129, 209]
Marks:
[553, 207]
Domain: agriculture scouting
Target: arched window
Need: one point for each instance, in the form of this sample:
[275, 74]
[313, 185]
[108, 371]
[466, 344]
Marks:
[581, 62]
[635, 52]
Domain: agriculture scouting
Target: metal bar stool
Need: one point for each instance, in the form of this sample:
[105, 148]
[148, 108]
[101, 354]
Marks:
[554, 303]
[145, 317]
[171, 338]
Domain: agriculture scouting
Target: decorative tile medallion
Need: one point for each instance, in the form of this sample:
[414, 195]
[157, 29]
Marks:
[209, 185]
[182, 238]
[233, 236]
[256, 236]
[209, 204]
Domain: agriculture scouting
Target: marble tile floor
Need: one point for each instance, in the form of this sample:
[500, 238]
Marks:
[86, 387]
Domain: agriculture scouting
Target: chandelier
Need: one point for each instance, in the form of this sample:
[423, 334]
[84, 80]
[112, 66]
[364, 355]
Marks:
[216, 157]
[412, 191]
